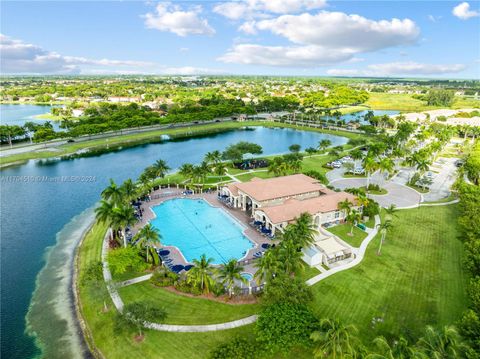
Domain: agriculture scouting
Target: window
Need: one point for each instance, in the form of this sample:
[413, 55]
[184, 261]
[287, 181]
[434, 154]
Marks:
[337, 214]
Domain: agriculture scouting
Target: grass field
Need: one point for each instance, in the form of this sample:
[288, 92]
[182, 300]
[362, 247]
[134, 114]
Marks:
[406, 103]
[417, 280]
[343, 231]
[120, 345]
[187, 310]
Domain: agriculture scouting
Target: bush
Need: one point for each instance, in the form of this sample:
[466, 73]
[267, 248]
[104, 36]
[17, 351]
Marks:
[122, 259]
[373, 187]
[163, 278]
[282, 326]
[371, 209]
[183, 286]
[237, 348]
[282, 289]
[317, 175]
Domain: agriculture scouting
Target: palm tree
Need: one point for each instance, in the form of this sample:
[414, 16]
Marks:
[230, 272]
[160, 168]
[439, 344]
[356, 155]
[370, 166]
[186, 170]
[398, 350]
[390, 212]
[353, 217]
[268, 265]
[334, 339]
[129, 190]
[289, 255]
[104, 213]
[422, 165]
[220, 169]
[304, 230]
[386, 166]
[201, 274]
[214, 157]
[148, 237]
[323, 144]
[345, 206]
[113, 193]
[383, 227]
[123, 216]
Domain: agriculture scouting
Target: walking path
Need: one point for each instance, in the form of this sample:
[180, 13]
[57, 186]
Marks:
[117, 300]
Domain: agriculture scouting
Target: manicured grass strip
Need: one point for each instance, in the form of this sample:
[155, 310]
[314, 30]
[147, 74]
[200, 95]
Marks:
[119, 345]
[417, 280]
[187, 310]
[343, 231]
[248, 176]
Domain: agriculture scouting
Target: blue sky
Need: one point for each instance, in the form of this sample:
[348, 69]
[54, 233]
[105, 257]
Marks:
[278, 37]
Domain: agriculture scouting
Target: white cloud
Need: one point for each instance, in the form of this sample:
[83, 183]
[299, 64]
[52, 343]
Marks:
[337, 29]
[250, 9]
[415, 68]
[462, 11]
[18, 57]
[172, 18]
[324, 38]
[285, 56]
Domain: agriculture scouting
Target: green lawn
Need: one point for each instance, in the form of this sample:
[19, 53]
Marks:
[114, 345]
[248, 176]
[417, 280]
[187, 310]
[382, 191]
[343, 231]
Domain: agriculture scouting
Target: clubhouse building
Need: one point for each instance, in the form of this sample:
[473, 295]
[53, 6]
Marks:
[276, 202]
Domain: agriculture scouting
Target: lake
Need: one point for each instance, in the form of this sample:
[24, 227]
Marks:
[359, 115]
[11, 114]
[40, 211]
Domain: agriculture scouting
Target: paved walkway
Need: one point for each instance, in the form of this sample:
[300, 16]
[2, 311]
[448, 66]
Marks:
[117, 300]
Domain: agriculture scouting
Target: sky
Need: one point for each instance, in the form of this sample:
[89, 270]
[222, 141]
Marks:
[437, 39]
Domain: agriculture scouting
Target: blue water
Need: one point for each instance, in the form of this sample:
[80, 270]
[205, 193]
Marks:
[34, 211]
[359, 115]
[247, 276]
[19, 114]
[195, 228]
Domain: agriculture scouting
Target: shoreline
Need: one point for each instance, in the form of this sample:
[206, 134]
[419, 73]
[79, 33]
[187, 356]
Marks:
[115, 142]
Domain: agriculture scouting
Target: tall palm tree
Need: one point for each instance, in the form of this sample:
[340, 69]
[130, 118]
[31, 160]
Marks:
[345, 206]
[304, 230]
[213, 157]
[334, 340]
[124, 216]
[422, 165]
[323, 144]
[129, 190]
[201, 274]
[220, 169]
[104, 213]
[353, 218]
[390, 212]
[356, 155]
[148, 237]
[386, 166]
[229, 273]
[113, 193]
[440, 344]
[268, 265]
[160, 168]
[186, 170]
[383, 227]
[289, 255]
[370, 166]
[399, 349]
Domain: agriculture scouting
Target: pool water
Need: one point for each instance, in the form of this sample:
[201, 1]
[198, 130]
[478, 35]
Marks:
[247, 276]
[195, 228]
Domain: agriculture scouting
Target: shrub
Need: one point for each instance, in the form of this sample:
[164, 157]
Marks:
[163, 278]
[371, 209]
[373, 187]
[282, 326]
[284, 289]
[184, 287]
[122, 259]
[317, 175]
[237, 348]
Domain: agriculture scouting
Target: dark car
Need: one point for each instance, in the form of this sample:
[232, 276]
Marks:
[70, 140]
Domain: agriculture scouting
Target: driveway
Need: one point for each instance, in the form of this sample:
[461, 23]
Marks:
[440, 188]
[398, 194]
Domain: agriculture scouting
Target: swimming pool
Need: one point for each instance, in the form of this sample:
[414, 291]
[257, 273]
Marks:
[195, 228]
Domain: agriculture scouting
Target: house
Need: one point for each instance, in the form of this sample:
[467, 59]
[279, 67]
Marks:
[276, 202]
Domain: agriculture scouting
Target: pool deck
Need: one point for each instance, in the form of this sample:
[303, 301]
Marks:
[166, 194]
